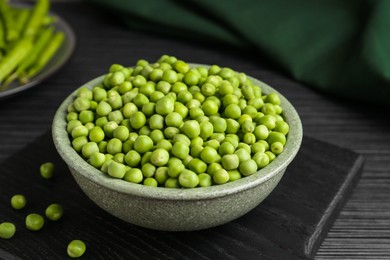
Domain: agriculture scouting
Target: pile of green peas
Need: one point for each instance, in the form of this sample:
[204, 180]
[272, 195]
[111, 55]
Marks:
[171, 125]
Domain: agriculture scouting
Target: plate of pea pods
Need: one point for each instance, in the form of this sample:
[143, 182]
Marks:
[34, 44]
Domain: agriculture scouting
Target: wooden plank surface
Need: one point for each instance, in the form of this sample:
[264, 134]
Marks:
[290, 224]
[362, 231]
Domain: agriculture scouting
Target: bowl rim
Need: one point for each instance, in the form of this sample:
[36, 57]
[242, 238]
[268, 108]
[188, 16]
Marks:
[74, 160]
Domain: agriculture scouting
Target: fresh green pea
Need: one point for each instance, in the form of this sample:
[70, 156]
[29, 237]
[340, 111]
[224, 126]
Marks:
[143, 144]
[132, 158]
[34, 222]
[96, 134]
[18, 201]
[219, 124]
[119, 157]
[261, 159]
[97, 159]
[198, 166]
[172, 183]
[164, 144]
[76, 248]
[282, 127]
[150, 182]
[243, 154]
[196, 150]
[277, 148]
[81, 103]
[140, 100]
[191, 128]
[233, 111]
[114, 146]
[156, 121]
[116, 170]
[164, 106]
[134, 175]
[209, 155]
[109, 128]
[174, 169]
[204, 180]
[101, 121]
[149, 109]
[147, 89]
[220, 176]
[212, 143]
[161, 175]
[232, 126]
[79, 142]
[89, 148]
[79, 131]
[54, 212]
[159, 157]
[234, 175]
[47, 170]
[188, 179]
[7, 230]
[180, 150]
[248, 167]
[157, 135]
[226, 148]
[230, 161]
[276, 137]
[137, 120]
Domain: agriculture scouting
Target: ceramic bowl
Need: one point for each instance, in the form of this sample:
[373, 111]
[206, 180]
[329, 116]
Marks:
[176, 209]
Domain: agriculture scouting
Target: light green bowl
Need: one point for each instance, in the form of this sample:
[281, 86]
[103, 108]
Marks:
[176, 209]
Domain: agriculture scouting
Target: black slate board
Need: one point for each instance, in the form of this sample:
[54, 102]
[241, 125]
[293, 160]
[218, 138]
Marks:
[290, 224]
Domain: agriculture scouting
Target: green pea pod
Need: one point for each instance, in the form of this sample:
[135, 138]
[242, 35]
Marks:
[21, 16]
[11, 33]
[14, 57]
[42, 40]
[36, 18]
[2, 39]
[45, 55]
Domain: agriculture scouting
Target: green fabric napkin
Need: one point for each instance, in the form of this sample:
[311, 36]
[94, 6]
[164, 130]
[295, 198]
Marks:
[338, 47]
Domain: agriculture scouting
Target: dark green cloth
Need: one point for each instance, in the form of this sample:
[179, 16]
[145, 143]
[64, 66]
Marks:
[338, 47]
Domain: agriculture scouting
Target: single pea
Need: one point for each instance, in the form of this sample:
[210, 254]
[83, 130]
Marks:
[232, 111]
[18, 201]
[191, 77]
[157, 135]
[230, 161]
[164, 87]
[137, 120]
[109, 128]
[270, 155]
[206, 129]
[156, 121]
[249, 138]
[214, 69]
[150, 182]
[230, 99]
[147, 89]
[164, 144]
[181, 109]
[96, 134]
[72, 124]
[268, 109]
[114, 146]
[161, 175]
[89, 148]
[248, 167]
[234, 175]
[47, 170]
[218, 136]
[276, 137]
[143, 144]
[99, 94]
[7, 230]
[268, 120]
[187, 160]
[188, 179]
[210, 107]
[243, 154]
[197, 166]
[248, 127]
[204, 180]
[34, 222]
[79, 131]
[212, 143]
[180, 150]
[261, 132]
[225, 88]
[114, 99]
[81, 103]
[149, 109]
[145, 130]
[261, 159]
[134, 175]
[220, 176]
[129, 109]
[132, 158]
[79, 142]
[211, 168]
[232, 126]
[190, 128]
[72, 116]
[116, 170]
[273, 98]
[196, 112]
[181, 138]
[219, 124]
[257, 103]
[119, 157]
[148, 170]
[156, 74]
[165, 105]
[101, 121]
[97, 159]
[54, 212]
[124, 87]
[196, 150]
[140, 100]
[257, 147]
[76, 248]
[282, 127]
[138, 81]
[174, 169]
[209, 154]
[231, 140]
[277, 148]
[159, 157]
[172, 183]
[86, 116]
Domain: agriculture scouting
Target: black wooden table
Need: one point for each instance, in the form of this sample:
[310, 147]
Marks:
[361, 231]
